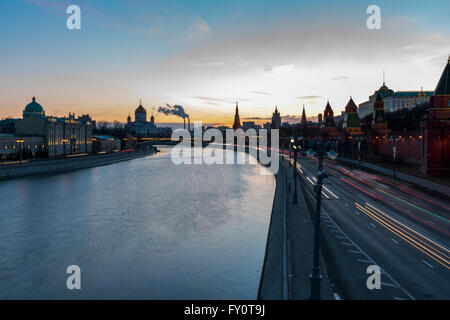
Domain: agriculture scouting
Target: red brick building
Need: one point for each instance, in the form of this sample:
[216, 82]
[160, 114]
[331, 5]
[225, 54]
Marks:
[436, 129]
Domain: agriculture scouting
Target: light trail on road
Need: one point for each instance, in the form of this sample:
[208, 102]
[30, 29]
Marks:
[414, 238]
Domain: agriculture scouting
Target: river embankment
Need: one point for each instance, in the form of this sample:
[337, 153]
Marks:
[50, 166]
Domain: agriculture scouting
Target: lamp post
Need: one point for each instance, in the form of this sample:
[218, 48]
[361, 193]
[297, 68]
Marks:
[291, 143]
[359, 139]
[315, 273]
[394, 154]
[20, 142]
[64, 141]
[295, 199]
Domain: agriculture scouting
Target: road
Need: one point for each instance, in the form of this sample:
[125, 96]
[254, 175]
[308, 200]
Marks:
[370, 219]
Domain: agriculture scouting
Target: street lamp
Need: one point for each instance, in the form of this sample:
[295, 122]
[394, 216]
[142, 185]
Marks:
[359, 139]
[20, 142]
[315, 274]
[291, 143]
[295, 200]
[64, 141]
[394, 154]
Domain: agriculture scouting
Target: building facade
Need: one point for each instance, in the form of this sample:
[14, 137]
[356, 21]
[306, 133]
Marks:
[56, 136]
[11, 145]
[394, 101]
[276, 119]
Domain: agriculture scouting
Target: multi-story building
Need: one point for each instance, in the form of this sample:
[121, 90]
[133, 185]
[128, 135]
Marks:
[276, 119]
[11, 145]
[394, 101]
[65, 135]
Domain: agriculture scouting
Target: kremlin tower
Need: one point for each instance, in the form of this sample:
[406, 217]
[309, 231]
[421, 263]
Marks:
[328, 127]
[352, 124]
[436, 129]
[237, 121]
[379, 123]
[303, 122]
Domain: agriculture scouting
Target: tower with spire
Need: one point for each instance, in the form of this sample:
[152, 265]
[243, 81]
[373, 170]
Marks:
[276, 119]
[328, 117]
[352, 124]
[436, 129]
[440, 100]
[328, 127]
[237, 121]
[379, 123]
[303, 122]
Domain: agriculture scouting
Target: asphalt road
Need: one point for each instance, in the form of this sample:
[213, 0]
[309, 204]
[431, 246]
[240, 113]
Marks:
[370, 219]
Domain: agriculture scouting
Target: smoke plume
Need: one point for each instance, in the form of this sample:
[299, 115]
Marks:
[176, 110]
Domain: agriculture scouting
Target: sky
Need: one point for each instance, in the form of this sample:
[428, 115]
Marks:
[206, 55]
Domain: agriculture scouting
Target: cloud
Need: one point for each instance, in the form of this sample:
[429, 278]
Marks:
[340, 78]
[203, 26]
[309, 97]
[278, 69]
[257, 118]
[198, 29]
[209, 99]
[261, 92]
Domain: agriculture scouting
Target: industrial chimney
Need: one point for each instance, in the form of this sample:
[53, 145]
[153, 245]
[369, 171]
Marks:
[189, 124]
[184, 123]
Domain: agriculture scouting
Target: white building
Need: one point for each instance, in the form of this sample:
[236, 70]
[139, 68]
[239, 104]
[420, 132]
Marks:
[394, 101]
[143, 128]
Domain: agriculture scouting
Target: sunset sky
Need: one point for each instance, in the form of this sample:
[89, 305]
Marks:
[205, 55]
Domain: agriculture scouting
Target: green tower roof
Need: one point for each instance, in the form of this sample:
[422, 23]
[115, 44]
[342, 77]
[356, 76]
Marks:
[34, 107]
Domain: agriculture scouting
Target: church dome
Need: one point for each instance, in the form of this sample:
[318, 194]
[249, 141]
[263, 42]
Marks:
[33, 110]
[140, 109]
[34, 107]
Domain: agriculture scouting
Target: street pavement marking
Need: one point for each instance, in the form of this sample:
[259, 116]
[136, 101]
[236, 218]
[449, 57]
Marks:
[347, 244]
[373, 225]
[388, 284]
[371, 261]
[354, 251]
[363, 261]
[394, 240]
[357, 213]
[367, 257]
[330, 192]
[428, 264]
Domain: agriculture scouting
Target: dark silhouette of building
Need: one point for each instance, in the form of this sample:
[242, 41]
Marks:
[237, 121]
[276, 119]
[351, 123]
[303, 122]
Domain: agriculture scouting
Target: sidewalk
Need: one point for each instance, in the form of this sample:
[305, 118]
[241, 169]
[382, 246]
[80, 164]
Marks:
[300, 244]
[433, 186]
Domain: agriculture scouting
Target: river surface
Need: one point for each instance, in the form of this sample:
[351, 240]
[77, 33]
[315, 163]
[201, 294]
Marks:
[139, 229]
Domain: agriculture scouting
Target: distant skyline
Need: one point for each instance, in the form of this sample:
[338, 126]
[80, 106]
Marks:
[205, 55]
